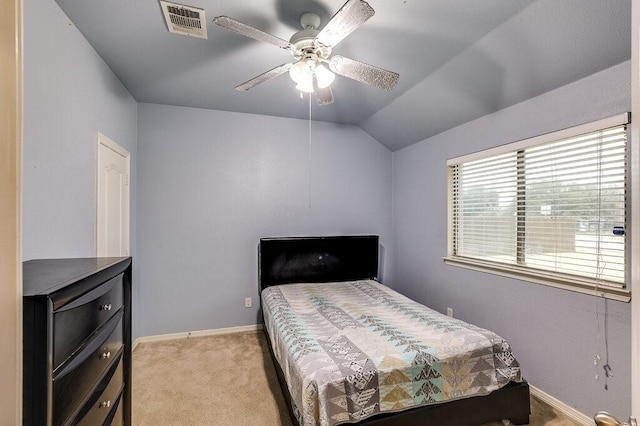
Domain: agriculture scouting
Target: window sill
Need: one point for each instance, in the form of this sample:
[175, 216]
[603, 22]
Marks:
[584, 286]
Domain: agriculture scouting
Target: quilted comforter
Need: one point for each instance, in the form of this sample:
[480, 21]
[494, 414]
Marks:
[355, 349]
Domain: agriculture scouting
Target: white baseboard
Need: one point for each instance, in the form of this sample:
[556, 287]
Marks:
[198, 333]
[568, 411]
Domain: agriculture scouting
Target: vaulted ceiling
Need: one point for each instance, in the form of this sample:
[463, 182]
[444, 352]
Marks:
[457, 59]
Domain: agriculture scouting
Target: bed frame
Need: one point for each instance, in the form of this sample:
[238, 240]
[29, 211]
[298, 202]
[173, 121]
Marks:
[347, 258]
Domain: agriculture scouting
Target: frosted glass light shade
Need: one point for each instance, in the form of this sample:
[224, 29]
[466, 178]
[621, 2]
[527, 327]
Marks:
[302, 73]
[324, 76]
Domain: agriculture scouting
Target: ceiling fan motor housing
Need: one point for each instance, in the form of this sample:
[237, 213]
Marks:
[304, 42]
[304, 38]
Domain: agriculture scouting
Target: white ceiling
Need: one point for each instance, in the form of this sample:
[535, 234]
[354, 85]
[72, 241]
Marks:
[457, 59]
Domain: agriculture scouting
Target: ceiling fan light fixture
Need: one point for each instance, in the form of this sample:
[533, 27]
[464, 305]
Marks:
[302, 74]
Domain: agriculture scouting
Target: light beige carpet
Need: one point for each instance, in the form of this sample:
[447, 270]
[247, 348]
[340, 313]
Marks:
[225, 380]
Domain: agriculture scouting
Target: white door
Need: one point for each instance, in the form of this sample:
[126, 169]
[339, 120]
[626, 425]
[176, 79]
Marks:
[113, 199]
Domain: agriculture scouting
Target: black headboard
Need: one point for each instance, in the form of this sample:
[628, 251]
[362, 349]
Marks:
[317, 259]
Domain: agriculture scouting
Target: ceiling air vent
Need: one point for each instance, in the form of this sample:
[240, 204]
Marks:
[185, 20]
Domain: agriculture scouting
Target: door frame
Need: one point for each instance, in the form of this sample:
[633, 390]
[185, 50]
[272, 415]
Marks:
[110, 144]
[10, 211]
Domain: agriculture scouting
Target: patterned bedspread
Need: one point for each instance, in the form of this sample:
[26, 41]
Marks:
[352, 350]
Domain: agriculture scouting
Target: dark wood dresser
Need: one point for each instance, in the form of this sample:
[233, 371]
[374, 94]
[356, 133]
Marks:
[77, 341]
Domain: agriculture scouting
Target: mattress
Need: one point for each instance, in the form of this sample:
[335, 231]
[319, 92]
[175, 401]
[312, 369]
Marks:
[352, 350]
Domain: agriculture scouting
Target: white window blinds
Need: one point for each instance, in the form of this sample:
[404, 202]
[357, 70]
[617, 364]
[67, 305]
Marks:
[547, 204]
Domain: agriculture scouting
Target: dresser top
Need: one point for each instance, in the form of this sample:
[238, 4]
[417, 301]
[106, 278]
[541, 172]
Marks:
[41, 277]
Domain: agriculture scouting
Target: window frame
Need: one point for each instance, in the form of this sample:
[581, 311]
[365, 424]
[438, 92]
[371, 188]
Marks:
[539, 276]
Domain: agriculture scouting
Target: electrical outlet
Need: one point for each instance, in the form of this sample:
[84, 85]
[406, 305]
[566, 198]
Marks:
[450, 312]
[247, 302]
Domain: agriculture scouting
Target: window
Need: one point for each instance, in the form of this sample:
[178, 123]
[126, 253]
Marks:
[551, 209]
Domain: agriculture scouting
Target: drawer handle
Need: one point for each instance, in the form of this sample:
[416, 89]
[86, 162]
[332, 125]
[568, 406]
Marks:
[105, 307]
[105, 355]
[105, 404]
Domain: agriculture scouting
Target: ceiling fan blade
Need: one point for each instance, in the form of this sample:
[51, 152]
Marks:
[364, 73]
[272, 73]
[350, 16]
[249, 31]
[323, 96]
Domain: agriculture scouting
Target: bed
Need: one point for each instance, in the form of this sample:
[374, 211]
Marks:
[346, 349]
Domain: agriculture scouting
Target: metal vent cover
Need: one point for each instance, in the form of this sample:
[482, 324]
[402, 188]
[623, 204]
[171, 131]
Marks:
[185, 20]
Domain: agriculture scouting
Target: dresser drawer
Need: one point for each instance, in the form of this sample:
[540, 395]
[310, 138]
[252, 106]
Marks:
[80, 375]
[74, 322]
[106, 403]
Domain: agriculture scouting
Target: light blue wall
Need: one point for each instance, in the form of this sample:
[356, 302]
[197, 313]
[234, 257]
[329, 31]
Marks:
[69, 96]
[212, 183]
[553, 332]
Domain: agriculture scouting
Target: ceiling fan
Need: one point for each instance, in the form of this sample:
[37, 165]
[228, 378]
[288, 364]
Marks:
[312, 49]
